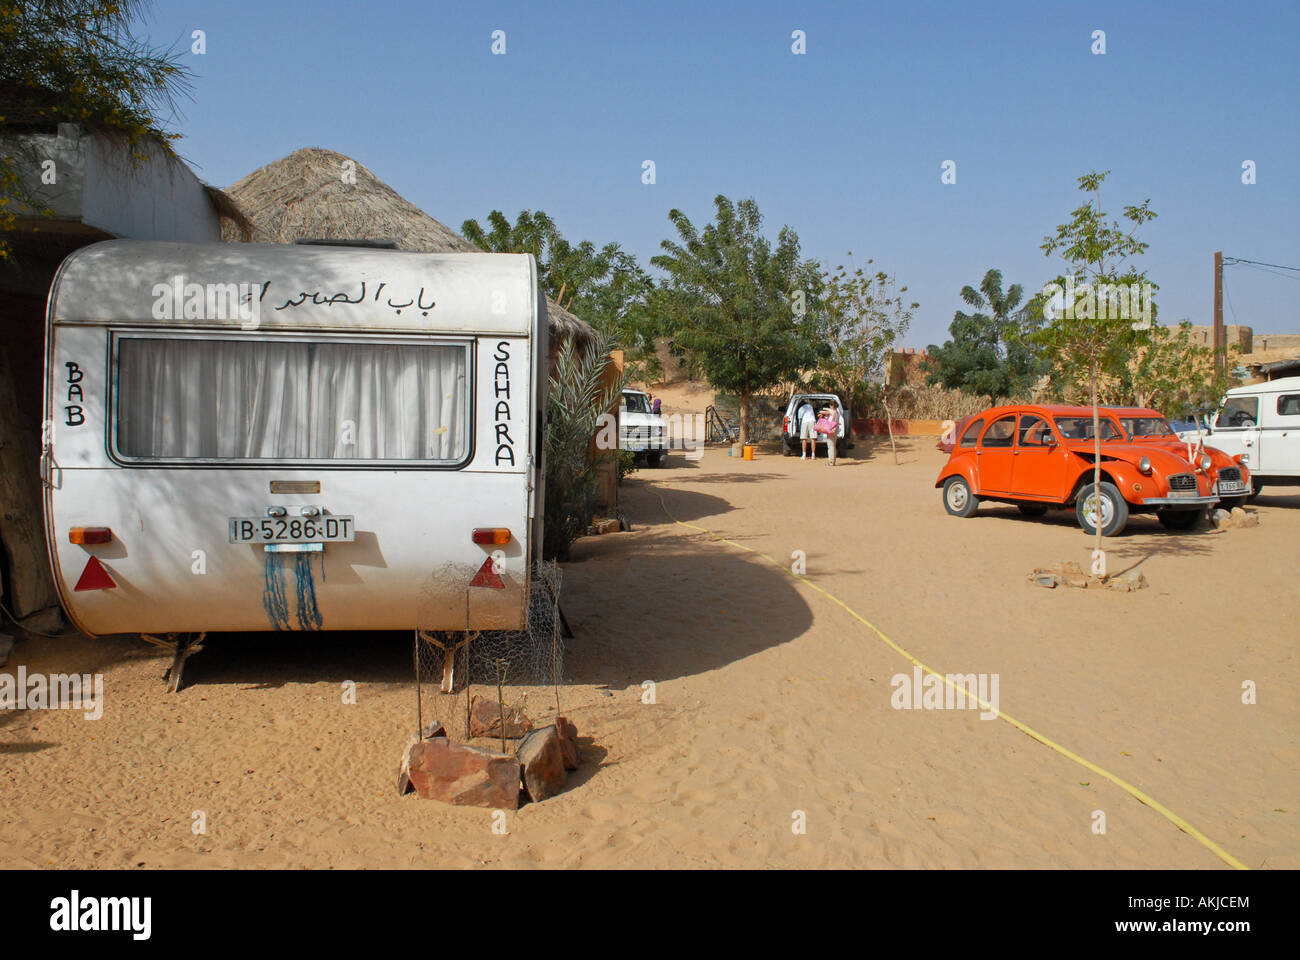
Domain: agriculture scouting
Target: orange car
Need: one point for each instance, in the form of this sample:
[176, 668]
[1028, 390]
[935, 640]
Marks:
[1231, 478]
[1040, 457]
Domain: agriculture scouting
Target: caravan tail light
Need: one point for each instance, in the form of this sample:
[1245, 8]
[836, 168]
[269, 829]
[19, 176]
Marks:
[89, 535]
[491, 535]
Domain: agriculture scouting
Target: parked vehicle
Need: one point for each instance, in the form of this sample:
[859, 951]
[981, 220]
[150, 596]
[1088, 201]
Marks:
[245, 437]
[1041, 458]
[790, 442]
[1231, 478]
[1194, 429]
[948, 439]
[1260, 423]
[640, 429]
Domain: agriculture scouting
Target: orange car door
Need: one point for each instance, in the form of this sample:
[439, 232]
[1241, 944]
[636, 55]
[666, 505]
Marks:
[1040, 461]
[995, 455]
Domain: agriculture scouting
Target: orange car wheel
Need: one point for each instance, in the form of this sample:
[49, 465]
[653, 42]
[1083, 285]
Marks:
[1103, 504]
[957, 497]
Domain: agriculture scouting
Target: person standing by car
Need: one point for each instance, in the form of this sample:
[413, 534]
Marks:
[828, 425]
[807, 435]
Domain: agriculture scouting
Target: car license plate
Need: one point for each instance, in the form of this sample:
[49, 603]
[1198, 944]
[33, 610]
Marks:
[327, 529]
[1184, 493]
[1232, 486]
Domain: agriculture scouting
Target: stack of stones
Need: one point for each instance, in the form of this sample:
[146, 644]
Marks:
[438, 768]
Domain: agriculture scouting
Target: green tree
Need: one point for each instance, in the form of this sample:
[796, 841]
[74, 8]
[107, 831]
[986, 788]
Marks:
[864, 315]
[854, 324]
[1174, 374]
[605, 286]
[530, 233]
[989, 354]
[76, 61]
[742, 303]
[1084, 338]
[625, 305]
[564, 270]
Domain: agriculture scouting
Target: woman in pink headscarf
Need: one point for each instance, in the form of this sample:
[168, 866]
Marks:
[828, 425]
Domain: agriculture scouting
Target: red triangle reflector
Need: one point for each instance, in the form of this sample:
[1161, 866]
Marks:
[94, 577]
[487, 577]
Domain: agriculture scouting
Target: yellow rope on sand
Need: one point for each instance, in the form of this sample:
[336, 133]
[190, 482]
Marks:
[1139, 795]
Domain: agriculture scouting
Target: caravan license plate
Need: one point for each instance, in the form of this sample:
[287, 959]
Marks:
[328, 529]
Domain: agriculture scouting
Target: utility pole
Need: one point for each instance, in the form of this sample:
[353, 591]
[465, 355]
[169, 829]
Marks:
[1220, 335]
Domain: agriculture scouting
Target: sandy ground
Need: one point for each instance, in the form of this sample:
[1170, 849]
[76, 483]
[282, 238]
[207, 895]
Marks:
[682, 396]
[769, 699]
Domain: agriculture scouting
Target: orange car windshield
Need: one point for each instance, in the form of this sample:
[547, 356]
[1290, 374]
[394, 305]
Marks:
[1080, 428]
[1143, 428]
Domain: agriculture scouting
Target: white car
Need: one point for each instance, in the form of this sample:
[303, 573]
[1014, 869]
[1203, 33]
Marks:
[640, 429]
[790, 443]
[1261, 422]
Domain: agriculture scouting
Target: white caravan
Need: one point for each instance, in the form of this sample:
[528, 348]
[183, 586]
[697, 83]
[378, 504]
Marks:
[1261, 421]
[245, 437]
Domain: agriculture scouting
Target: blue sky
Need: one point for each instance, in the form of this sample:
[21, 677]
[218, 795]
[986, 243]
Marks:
[844, 143]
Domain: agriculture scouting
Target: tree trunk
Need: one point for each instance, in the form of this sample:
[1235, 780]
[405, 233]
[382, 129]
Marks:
[744, 414]
[22, 531]
[1096, 451]
[889, 423]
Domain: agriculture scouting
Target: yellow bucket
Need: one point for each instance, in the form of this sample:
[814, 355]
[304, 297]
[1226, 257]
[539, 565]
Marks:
[749, 451]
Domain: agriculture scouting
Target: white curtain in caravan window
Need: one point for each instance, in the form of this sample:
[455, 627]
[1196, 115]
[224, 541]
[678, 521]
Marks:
[186, 398]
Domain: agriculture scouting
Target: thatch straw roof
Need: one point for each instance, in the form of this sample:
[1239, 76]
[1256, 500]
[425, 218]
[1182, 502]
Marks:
[233, 220]
[309, 195]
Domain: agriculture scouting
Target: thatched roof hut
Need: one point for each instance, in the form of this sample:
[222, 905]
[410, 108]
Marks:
[322, 195]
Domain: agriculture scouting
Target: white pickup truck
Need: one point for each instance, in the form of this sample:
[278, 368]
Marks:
[640, 429]
[1261, 422]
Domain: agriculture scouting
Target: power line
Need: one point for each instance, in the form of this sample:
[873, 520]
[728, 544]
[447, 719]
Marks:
[1231, 260]
[1287, 276]
[1229, 298]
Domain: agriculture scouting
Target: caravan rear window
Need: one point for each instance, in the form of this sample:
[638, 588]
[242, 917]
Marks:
[291, 399]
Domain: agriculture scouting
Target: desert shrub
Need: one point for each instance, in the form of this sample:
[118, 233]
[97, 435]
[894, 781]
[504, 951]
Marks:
[626, 463]
[916, 402]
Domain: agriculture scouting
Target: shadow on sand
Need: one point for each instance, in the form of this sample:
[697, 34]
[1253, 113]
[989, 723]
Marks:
[1143, 536]
[671, 606]
[679, 606]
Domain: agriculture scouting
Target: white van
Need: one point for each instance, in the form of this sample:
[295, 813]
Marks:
[1261, 422]
[244, 437]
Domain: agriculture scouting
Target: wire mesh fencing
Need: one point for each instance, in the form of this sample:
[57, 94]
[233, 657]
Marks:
[485, 683]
